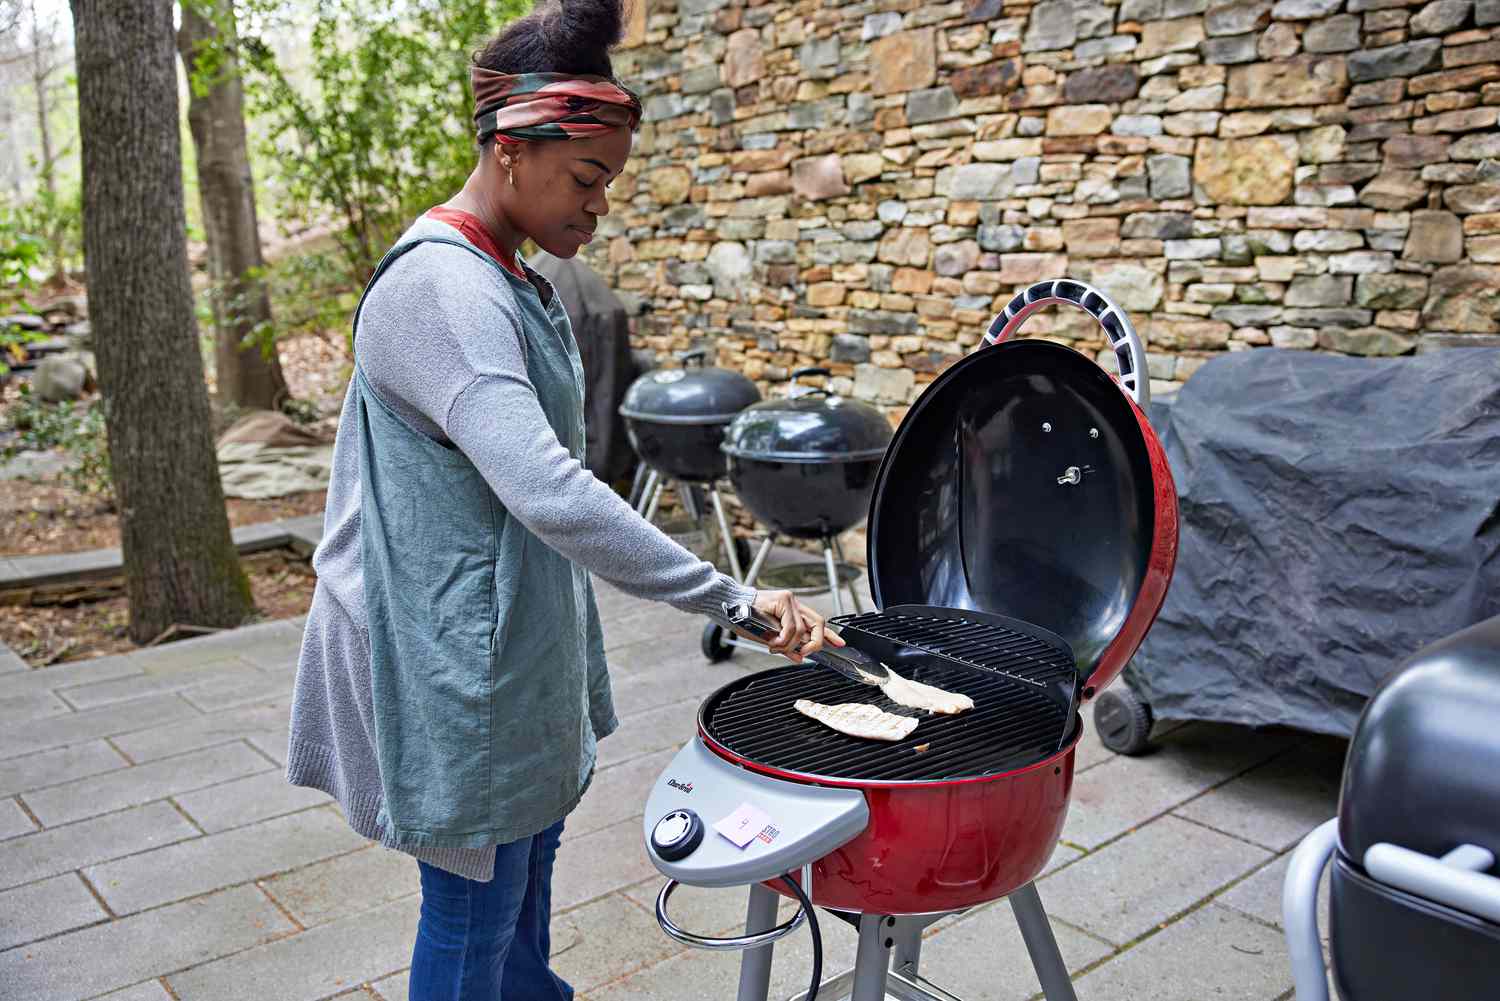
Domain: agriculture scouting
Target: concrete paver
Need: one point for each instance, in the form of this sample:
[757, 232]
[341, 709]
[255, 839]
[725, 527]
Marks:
[262, 725]
[260, 890]
[59, 731]
[1278, 803]
[112, 791]
[72, 846]
[1211, 953]
[311, 965]
[339, 887]
[82, 964]
[64, 764]
[1124, 793]
[217, 860]
[982, 954]
[247, 800]
[1127, 888]
[32, 705]
[392, 988]
[1259, 895]
[150, 990]
[13, 820]
[45, 908]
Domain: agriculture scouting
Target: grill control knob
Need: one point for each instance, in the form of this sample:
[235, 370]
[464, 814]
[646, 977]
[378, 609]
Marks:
[676, 835]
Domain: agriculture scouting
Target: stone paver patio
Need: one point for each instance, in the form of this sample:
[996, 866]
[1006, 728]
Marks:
[149, 848]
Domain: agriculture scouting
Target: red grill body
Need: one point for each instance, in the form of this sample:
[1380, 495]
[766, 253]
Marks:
[1017, 549]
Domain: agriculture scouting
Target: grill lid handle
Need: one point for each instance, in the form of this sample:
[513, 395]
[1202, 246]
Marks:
[850, 662]
[696, 354]
[1130, 352]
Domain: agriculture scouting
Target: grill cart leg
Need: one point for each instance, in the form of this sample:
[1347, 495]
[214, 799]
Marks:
[1047, 961]
[759, 561]
[872, 958]
[755, 965]
[725, 536]
[838, 550]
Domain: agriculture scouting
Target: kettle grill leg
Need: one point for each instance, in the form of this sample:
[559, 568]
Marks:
[1040, 943]
[833, 578]
[755, 964]
[725, 535]
[647, 489]
[838, 550]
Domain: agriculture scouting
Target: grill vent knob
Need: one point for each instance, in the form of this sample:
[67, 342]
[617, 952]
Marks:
[677, 835]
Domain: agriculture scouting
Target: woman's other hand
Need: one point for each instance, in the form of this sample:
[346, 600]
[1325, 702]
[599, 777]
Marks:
[803, 630]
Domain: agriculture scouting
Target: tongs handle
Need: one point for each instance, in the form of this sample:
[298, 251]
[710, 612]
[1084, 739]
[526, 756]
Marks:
[850, 662]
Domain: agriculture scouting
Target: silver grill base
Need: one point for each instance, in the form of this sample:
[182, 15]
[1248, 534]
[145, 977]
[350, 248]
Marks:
[889, 955]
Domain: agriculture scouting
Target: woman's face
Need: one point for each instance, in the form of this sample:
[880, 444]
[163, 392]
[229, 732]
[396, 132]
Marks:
[558, 188]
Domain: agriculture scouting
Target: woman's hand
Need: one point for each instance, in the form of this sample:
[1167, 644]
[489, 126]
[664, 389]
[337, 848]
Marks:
[803, 630]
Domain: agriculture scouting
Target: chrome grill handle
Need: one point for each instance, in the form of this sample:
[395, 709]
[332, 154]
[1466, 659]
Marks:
[712, 943]
[1129, 349]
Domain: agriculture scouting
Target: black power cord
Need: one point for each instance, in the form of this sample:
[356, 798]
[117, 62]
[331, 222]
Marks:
[817, 937]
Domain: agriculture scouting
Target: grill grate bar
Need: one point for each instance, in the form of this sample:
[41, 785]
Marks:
[982, 645]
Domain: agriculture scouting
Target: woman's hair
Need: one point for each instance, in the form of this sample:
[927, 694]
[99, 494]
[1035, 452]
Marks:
[558, 36]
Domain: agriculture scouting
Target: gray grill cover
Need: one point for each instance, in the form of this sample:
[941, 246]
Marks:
[1337, 515]
[602, 328]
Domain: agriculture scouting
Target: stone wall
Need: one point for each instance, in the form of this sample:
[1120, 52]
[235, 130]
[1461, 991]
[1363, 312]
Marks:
[864, 185]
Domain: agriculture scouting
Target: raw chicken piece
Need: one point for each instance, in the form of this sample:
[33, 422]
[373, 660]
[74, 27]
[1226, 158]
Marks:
[915, 695]
[858, 719]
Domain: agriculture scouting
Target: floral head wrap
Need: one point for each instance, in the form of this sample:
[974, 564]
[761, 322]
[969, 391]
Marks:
[530, 106]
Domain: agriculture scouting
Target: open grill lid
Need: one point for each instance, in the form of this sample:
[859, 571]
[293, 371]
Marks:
[693, 394]
[1024, 482]
[814, 425]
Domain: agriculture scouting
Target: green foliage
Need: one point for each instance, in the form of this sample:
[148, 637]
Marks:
[58, 219]
[20, 251]
[76, 428]
[381, 129]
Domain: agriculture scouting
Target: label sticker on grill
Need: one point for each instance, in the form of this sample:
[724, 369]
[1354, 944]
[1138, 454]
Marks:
[745, 825]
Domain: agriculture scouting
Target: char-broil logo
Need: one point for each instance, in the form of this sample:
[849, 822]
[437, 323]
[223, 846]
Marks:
[683, 786]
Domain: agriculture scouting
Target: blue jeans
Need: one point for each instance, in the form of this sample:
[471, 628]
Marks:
[490, 941]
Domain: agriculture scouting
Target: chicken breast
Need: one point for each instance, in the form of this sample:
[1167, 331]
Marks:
[915, 695]
[858, 719]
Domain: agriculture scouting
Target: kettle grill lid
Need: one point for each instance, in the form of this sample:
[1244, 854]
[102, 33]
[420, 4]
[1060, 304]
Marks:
[693, 394]
[1020, 483]
[816, 426]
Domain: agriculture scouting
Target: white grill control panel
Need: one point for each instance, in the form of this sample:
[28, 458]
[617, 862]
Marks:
[802, 823]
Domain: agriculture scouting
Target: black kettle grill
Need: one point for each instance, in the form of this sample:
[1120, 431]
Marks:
[675, 420]
[805, 466]
[1414, 908]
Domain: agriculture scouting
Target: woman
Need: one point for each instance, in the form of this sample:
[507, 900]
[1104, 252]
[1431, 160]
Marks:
[452, 681]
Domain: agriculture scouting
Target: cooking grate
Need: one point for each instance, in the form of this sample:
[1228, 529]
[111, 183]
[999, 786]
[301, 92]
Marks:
[1022, 686]
[1010, 726]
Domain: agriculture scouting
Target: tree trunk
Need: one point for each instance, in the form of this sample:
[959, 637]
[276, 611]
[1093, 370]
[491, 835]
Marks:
[180, 563]
[246, 376]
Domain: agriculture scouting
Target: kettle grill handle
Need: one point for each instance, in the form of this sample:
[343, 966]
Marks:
[1123, 340]
[796, 389]
[694, 354]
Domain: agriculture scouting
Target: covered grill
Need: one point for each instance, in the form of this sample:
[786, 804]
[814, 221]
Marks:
[675, 420]
[805, 467]
[1022, 535]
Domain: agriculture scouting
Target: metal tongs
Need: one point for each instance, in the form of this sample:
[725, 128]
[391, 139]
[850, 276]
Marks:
[848, 661]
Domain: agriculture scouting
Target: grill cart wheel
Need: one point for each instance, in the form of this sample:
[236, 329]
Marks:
[714, 647]
[1123, 721]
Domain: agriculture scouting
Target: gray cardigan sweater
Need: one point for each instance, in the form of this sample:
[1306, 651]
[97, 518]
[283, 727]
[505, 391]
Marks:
[438, 342]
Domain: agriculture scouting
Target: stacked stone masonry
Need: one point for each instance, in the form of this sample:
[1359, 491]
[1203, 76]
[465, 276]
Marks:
[864, 185]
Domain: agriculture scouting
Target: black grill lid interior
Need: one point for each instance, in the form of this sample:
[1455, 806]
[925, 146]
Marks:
[1019, 484]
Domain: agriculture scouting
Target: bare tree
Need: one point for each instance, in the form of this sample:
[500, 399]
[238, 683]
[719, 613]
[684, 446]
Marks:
[181, 567]
[247, 367]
